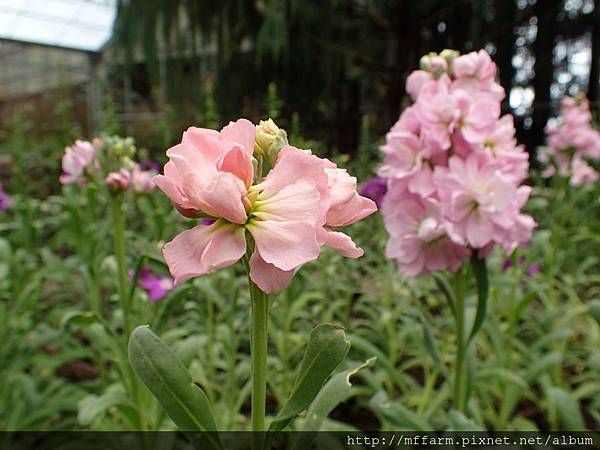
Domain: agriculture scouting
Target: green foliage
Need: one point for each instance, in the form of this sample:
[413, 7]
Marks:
[63, 362]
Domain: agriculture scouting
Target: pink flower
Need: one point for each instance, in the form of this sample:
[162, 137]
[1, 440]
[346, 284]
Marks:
[571, 139]
[142, 180]
[582, 173]
[407, 155]
[120, 180]
[415, 81]
[512, 159]
[75, 160]
[438, 113]
[481, 203]
[454, 169]
[420, 240]
[287, 213]
[475, 73]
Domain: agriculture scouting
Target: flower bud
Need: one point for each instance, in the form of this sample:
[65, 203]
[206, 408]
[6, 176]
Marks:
[119, 180]
[449, 55]
[269, 140]
[434, 64]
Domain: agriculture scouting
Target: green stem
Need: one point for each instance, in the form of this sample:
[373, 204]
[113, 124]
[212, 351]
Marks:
[460, 379]
[119, 249]
[258, 351]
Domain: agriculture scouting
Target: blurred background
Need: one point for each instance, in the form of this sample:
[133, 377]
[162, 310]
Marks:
[151, 68]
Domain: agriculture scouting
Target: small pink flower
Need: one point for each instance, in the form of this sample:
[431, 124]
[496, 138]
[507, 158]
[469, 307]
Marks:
[438, 113]
[415, 81]
[142, 180]
[571, 139]
[120, 180]
[75, 160]
[475, 73]
[511, 159]
[288, 213]
[582, 173]
[420, 239]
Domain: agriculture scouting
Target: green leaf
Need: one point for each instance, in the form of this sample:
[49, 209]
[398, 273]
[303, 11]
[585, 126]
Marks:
[79, 318]
[93, 405]
[567, 408]
[542, 365]
[481, 276]
[430, 344]
[594, 309]
[458, 422]
[444, 285]
[337, 390]
[171, 384]
[397, 414]
[327, 348]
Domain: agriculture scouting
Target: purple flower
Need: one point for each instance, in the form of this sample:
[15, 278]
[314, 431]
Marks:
[534, 269]
[157, 286]
[5, 200]
[208, 221]
[152, 165]
[375, 189]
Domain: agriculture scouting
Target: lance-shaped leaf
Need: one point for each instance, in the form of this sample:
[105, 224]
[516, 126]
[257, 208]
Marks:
[327, 348]
[337, 390]
[397, 414]
[171, 384]
[481, 276]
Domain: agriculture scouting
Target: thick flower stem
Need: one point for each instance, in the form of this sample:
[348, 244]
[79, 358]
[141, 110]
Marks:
[460, 370]
[119, 249]
[258, 350]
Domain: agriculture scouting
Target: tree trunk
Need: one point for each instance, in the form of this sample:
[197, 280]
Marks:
[594, 81]
[544, 71]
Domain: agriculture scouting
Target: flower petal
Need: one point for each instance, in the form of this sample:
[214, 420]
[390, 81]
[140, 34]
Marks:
[268, 277]
[242, 132]
[343, 244]
[287, 245]
[203, 249]
[298, 201]
[237, 162]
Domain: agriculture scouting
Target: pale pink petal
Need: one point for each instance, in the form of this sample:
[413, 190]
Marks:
[204, 140]
[352, 211]
[224, 198]
[203, 249]
[287, 245]
[343, 244]
[268, 277]
[167, 185]
[237, 162]
[292, 165]
[242, 132]
[478, 230]
[298, 201]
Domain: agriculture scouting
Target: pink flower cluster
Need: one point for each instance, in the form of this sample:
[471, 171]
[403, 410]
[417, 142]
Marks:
[81, 161]
[289, 213]
[572, 140]
[76, 160]
[138, 179]
[453, 168]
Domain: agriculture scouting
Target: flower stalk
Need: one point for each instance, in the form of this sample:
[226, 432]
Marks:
[119, 249]
[460, 369]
